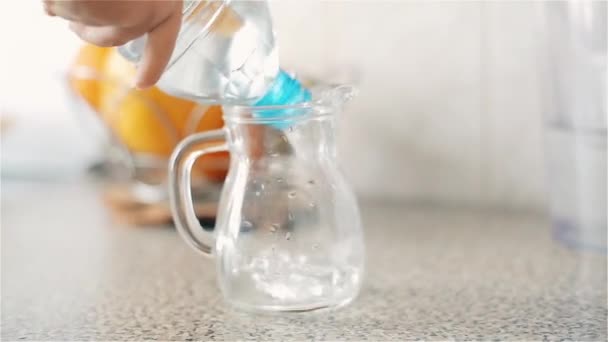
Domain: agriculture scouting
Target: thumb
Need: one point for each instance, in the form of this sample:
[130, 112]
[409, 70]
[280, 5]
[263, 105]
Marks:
[158, 50]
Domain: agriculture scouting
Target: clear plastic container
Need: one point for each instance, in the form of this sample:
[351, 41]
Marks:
[575, 77]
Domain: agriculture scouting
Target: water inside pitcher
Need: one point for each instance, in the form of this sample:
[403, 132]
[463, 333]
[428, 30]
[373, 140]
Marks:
[288, 234]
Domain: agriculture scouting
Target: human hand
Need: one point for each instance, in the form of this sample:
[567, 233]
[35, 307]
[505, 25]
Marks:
[115, 22]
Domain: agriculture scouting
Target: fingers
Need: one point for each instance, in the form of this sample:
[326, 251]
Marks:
[48, 7]
[63, 9]
[115, 22]
[101, 12]
[105, 36]
[158, 50]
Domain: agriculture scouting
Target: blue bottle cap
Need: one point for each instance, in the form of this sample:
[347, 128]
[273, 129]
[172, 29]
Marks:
[285, 90]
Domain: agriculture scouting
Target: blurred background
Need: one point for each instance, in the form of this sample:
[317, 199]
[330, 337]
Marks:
[448, 111]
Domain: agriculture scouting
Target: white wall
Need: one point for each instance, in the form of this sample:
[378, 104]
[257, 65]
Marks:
[448, 108]
[36, 51]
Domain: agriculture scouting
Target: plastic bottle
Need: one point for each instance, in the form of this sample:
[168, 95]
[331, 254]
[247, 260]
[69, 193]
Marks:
[225, 53]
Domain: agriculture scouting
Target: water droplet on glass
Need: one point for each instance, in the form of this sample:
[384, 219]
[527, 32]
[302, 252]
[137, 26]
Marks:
[290, 129]
[312, 204]
[291, 194]
[335, 278]
[290, 217]
[311, 182]
[246, 225]
[288, 236]
[315, 246]
[279, 180]
[274, 227]
[273, 154]
[285, 139]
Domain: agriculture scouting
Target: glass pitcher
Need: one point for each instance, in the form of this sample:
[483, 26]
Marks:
[288, 235]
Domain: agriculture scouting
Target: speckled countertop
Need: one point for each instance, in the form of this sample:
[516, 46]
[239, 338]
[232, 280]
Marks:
[68, 273]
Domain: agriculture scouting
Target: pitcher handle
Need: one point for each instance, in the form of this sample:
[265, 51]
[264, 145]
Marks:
[180, 188]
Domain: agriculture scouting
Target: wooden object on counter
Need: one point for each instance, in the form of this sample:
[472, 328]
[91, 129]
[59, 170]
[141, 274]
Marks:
[126, 208]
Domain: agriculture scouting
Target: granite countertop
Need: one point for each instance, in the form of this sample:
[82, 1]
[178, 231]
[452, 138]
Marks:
[69, 273]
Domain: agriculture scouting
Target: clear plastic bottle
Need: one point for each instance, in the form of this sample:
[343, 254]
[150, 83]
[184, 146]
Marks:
[225, 53]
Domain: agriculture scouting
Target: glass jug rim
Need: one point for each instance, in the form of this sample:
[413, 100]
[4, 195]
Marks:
[327, 99]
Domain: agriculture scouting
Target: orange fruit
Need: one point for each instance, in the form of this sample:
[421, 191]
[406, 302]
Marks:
[146, 121]
[85, 71]
[151, 121]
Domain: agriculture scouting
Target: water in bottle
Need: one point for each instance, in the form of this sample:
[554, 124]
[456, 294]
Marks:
[226, 53]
